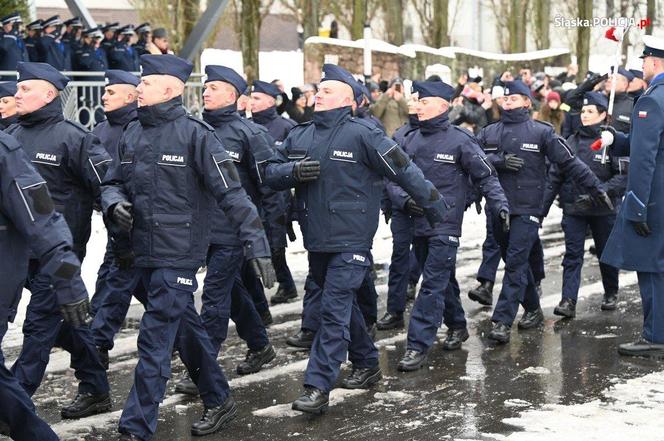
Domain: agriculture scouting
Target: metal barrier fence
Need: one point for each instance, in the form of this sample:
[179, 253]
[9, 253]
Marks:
[81, 99]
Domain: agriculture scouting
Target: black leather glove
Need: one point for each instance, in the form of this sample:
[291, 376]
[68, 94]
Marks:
[478, 207]
[122, 215]
[76, 314]
[291, 232]
[584, 202]
[305, 170]
[641, 228]
[602, 198]
[513, 162]
[504, 220]
[413, 209]
[263, 268]
[387, 213]
[124, 260]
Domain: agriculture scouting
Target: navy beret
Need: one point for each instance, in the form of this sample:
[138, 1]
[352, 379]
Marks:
[40, 71]
[227, 75]
[52, 21]
[433, 88]
[117, 76]
[11, 18]
[7, 88]
[637, 73]
[363, 91]
[166, 65]
[595, 98]
[266, 88]
[652, 47]
[624, 72]
[517, 87]
[332, 72]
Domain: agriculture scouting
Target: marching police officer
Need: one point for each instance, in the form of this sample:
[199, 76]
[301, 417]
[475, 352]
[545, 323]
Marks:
[109, 313]
[623, 101]
[517, 146]
[402, 269]
[160, 190]
[72, 161]
[637, 240]
[12, 46]
[50, 48]
[29, 226]
[8, 114]
[224, 293]
[336, 164]
[448, 156]
[579, 211]
[34, 32]
[264, 112]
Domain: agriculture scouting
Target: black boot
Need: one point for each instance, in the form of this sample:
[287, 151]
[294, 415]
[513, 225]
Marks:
[390, 321]
[266, 318]
[454, 339]
[312, 400]
[186, 386]
[255, 360]
[103, 357]
[86, 404]
[284, 295]
[483, 293]
[412, 361]
[566, 308]
[215, 418]
[642, 348]
[412, 290]
[362, 378]
[609, 301]
[531, 319]
[303, 339]
[500, 333]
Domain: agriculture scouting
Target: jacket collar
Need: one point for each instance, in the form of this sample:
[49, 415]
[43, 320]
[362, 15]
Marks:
[514, 116]
[331, 118]
[161, 113]
[123, 115]
[436, 124]
[49, 114]
[265, 116]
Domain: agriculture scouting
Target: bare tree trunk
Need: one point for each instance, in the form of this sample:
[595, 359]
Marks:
[651, 13]
[513, 25]
[522, 13]
[440, 25]
[311, 21]
[359, 17]
[542, 24]
[583, 38]
[250, 37]
[394, 21]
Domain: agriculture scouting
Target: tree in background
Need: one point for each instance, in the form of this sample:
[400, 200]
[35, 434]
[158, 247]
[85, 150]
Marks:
[178, 17]
[9, 6]
[585, 12]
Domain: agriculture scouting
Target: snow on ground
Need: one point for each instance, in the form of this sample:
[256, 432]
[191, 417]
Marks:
[621, 414]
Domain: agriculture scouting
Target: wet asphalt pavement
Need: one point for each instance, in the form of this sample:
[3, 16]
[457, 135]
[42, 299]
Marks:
[464, 394]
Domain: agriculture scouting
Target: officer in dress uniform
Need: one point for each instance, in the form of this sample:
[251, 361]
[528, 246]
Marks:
[34, 32]
[49, 47]
[171, 168]
[108, 43]
[224, 293]
[8, 114]
[264, 112]
[517, 146]
[72, 162]
[579, 211]
[144, 32]
[637, 240]
[12, 46]
[71, 38]
[123, 56]
[623, 101]
[336, 164]
[31, 228]
[449, 157]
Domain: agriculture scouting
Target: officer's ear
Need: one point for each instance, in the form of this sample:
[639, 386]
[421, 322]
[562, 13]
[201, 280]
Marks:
[51, 93]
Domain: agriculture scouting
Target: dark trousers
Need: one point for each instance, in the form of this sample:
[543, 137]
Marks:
[651, 286]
